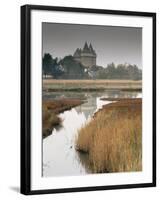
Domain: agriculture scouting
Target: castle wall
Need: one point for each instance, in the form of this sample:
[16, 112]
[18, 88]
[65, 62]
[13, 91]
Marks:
[94, 61]
[87, 61]
[78, 59]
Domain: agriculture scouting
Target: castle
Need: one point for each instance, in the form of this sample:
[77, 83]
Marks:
[86, 56]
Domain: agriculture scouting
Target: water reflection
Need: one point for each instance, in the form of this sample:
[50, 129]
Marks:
[83, 95]
[59, 155]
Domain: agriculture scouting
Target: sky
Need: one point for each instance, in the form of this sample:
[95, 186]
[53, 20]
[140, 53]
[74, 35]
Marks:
[111, 43]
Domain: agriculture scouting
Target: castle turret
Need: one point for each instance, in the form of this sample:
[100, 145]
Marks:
[87, 56]
[77, 55]
[91, 48]
[86, 48]
[94, 54]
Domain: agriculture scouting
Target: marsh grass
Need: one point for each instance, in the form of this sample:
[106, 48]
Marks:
[56, 85]
[113, 138]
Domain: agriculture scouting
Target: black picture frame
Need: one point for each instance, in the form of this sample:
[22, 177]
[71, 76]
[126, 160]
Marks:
[26, 98]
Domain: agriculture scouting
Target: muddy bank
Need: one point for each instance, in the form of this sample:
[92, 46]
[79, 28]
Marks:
[51, 109]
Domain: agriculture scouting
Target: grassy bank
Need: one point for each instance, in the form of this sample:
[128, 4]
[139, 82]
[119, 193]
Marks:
[74, 89]
[132, 89]
[113, 138]
[120, 99]
[51, 109]
[90, 85]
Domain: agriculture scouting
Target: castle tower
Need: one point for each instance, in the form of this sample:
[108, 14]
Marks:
[93, 53]
[77, 55]
[86, 56]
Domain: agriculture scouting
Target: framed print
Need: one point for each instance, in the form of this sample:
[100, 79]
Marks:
[88, 99]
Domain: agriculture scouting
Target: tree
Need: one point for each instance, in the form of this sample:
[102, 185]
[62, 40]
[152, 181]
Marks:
[72, 69]
[51, 66]
[111, 71]
[121, 71]
[47, 63]
[134, 72]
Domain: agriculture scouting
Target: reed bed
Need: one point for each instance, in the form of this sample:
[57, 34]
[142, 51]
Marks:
[113, 138]
[52, 85]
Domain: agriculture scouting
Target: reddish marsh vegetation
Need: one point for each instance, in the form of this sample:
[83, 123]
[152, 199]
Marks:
[51, 109]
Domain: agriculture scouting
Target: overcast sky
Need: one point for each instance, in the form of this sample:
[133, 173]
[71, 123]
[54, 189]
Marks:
[112, 44]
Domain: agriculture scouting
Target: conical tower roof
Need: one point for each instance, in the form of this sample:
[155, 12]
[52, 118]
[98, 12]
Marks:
[92, 50]
[86, 48]
[77, 53]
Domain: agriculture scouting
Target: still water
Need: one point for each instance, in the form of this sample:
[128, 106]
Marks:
[59, 155]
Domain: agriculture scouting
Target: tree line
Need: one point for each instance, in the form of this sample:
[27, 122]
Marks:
[68, 68]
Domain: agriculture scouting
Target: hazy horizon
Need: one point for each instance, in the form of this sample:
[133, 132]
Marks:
[112, 44]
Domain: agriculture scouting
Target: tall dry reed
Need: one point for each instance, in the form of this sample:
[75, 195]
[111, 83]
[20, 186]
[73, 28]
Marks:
[113, 138]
